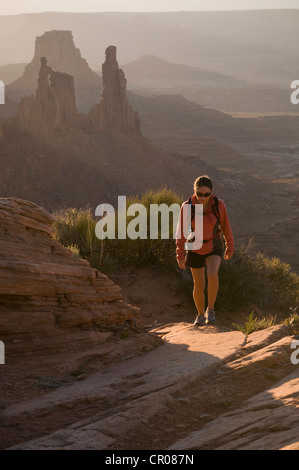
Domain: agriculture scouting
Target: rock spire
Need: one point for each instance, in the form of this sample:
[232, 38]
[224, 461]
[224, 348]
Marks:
[114, 110]
[53, 108]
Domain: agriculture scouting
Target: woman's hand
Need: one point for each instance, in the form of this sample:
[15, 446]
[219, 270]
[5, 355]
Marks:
[227, 255]
[181, 263]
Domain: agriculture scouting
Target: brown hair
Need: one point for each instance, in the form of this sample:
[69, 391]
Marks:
[204, 180]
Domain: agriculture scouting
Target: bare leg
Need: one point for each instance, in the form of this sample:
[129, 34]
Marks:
[199, 289]
[213, 263]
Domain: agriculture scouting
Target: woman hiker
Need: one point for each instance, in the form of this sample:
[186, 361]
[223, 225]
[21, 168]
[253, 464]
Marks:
[211, 251]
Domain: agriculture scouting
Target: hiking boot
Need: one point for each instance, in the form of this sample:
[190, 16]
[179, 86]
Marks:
[210, 317]
[200, 320]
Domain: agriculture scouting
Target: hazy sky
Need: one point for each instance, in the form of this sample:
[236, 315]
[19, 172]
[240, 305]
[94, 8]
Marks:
[29, 6]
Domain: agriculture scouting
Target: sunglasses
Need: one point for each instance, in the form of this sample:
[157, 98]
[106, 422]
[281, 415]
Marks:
[203, 195]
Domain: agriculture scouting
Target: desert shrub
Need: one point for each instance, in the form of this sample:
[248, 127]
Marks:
[254, 279]
[76, 228]
[254, 323]
[75, 251]
[250, 280]
[151, 251]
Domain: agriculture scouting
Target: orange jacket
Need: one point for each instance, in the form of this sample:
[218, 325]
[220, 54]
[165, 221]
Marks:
[210, 229]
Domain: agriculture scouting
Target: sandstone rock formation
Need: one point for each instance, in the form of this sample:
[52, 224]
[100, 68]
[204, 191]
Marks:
[114, 110]
[50, 302]
[53, 108]
[58, 47]
[8, 109]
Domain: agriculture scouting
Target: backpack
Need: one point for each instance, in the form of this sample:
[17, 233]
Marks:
[215, 210]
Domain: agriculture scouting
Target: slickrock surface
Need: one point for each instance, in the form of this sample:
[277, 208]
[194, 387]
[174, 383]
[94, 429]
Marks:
[149, 401]
[50, 300]
[128, 394]
[268, 421]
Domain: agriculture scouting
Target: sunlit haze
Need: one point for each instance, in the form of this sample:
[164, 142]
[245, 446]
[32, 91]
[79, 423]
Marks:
[31, 6]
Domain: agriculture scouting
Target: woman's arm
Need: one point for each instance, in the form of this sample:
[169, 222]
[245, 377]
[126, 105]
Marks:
[227, 232]
[180, 240]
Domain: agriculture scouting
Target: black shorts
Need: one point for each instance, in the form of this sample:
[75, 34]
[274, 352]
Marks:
[194, 260]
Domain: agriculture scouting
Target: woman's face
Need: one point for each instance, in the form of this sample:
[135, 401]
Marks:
[203, 194]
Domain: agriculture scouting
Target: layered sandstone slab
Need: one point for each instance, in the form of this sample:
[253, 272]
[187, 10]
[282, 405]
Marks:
[268, 421]
[49, 300]
[144, 386]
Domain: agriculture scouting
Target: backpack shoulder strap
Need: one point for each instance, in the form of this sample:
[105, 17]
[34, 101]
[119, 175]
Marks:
[215, 209]
[192, 208]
